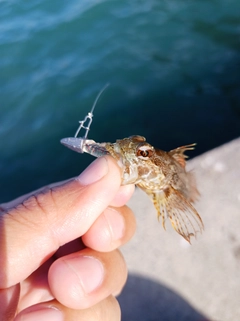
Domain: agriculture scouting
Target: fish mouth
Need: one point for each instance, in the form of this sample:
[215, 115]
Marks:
[130, 173]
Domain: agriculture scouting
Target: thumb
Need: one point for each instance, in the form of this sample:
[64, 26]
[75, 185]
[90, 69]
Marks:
[8, 302]
[32, 231]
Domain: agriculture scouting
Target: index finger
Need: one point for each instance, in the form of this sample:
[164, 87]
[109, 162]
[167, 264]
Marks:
[31, 232]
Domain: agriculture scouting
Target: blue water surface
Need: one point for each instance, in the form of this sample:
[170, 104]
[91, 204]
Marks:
[173, 68]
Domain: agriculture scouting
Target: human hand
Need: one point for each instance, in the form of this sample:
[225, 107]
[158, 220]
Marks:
[58, 248]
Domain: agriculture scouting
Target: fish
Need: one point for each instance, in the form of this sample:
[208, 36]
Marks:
[161, 175]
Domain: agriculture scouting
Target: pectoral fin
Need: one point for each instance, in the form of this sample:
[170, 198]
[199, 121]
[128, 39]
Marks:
[184, 218]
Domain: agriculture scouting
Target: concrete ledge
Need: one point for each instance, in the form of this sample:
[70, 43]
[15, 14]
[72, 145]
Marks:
[205, 276]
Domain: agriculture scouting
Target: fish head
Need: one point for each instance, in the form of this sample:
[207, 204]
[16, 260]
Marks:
[135, 156]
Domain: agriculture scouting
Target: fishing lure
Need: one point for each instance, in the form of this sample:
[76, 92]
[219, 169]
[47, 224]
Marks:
[162, 175]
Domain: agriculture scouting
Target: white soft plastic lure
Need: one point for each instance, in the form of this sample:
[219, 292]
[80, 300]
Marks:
[162, 175]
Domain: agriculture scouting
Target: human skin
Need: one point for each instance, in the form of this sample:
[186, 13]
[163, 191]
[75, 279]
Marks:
[59, 257]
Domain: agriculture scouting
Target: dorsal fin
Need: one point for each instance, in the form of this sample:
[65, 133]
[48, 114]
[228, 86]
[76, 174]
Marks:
[178, 153]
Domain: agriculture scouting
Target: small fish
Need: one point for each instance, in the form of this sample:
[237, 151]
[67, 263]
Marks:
[162, 175]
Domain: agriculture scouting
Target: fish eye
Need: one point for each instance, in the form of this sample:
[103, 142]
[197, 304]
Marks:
[144, 153]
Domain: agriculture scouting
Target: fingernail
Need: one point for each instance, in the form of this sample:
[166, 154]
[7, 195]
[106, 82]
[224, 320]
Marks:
[94, 172]
[41, 314]
[116, 223]
[89, 272]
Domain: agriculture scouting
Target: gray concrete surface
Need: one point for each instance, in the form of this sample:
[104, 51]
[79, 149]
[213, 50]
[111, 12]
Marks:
[170, 280]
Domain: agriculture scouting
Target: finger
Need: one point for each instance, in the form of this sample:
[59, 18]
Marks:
[82, 279]
[106, 310]
[52, 218]
[8, 302]
[35, 288]
[123, 195]
[113, 228]
[14, 203]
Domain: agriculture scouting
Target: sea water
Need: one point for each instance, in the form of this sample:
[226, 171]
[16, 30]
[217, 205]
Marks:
[173, 68]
